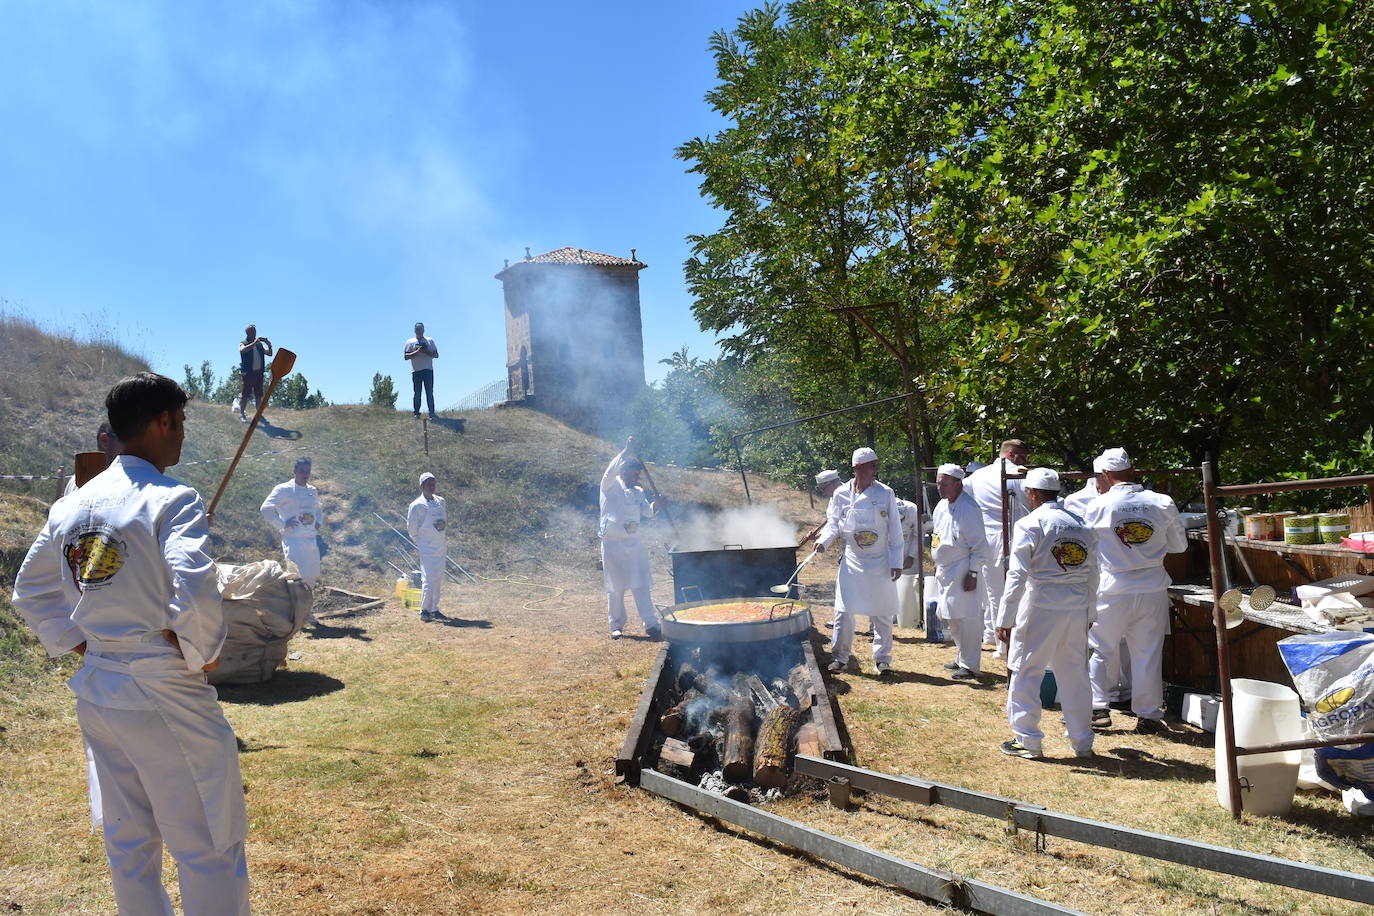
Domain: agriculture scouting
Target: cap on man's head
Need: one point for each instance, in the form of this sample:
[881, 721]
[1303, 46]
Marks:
[825, 477]
[1115, 459]
[950, 470]
[1042, 479]
[426, 476]
[863, 456]
[1097, 465]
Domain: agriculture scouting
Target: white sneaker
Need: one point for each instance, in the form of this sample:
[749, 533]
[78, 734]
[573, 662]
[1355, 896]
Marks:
[616, 634]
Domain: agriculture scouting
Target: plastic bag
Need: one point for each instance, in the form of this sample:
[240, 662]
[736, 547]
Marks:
[265, 604]
[1334, 674]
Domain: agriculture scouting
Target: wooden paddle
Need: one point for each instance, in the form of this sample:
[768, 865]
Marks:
[282, 364]
[87, 465]
[649, 479]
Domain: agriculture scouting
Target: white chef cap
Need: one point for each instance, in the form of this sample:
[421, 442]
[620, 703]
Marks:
[1115, 459]
[426, 476]
[1097, 465]
[863, 456]
[825, 477]
[950, 470]
[1042, 479]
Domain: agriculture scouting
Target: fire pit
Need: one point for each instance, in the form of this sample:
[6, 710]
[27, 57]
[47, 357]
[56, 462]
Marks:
[729, 703]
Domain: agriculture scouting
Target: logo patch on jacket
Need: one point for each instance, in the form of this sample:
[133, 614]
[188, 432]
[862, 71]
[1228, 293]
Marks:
[93, 556]
[1133, 531]
[1069, 554]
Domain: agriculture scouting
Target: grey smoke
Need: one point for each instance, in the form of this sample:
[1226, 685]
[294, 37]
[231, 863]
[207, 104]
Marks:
[751, 527]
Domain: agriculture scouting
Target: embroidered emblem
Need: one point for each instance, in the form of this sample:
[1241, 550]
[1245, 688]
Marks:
[94, 556]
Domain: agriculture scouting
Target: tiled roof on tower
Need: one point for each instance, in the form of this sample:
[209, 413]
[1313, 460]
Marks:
[570, 255]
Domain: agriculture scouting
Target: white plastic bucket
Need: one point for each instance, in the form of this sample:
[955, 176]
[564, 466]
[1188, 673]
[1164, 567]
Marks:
[1265, 713]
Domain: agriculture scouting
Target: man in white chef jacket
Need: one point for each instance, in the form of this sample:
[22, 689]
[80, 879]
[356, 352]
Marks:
[120, 575]
[427, 521]
[293, 509]
[909, 609]
[624, 559]
[1135, 528]
[1078, 501]
[863, 513]
[959, 550]
[1048, 604]
[985, 486]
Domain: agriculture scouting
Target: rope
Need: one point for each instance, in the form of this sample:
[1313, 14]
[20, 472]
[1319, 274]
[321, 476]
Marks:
[34, 476]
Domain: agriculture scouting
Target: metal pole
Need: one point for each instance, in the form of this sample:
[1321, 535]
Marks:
[1006, 516]
[744, 479]
[1228, 720]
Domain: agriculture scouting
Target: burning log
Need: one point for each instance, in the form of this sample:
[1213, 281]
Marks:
[672, 722]
[809, 740]
[774, 743]
[765, 696]
[800, 682]
[678, 753]
[738, 757]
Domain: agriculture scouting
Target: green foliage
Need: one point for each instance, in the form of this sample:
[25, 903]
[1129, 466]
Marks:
[230, 388]
[383, 391]
[294, 392]
[1144, 224]
[199, 384]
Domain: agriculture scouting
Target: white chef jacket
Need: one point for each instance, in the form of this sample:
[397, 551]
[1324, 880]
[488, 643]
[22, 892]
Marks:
[958, 547]
[1078, 501]
[1053, 565]
[906, 512]
[985, 486]
[622, 508]
[427, 519]
[119, 561]
[1135, 528]
[871, 528]
[288, 501]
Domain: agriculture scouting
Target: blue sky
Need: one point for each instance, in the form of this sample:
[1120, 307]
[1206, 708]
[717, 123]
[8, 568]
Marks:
[335, 171]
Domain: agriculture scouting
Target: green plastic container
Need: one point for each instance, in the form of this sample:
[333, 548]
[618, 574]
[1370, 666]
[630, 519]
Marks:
[1300, 529]
[1332, 526]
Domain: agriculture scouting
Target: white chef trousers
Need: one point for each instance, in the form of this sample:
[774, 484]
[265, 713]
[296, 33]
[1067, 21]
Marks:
[305, 553]
[432, 577]
[967, 633]
[994, 579]
[615, 609]
[149, 797]
[1058, 640]
[842, 637]
[909, 610]
[1140, 621]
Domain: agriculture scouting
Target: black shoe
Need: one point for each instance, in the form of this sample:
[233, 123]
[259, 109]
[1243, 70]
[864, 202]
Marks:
[835, 667]
[434, 416]
[884, 669]
[655, 634]
[1017, 749]
[964, 674]
[1150, 726]
[426, 616]
[416, 415]
[1102, 718]
[951, 666]
[437, 615]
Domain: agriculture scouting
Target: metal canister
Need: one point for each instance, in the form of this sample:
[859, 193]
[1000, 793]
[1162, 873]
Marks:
[1259, 526]
[1332, 526]
[1300, 529]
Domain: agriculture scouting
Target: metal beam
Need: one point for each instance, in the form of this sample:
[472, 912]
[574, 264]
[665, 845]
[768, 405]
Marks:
[1268, 869]
[931, 883]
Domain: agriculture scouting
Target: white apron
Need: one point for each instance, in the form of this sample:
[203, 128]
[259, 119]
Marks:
[864, 584]
[957, 548]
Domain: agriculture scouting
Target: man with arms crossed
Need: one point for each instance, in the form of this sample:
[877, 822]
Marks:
[120, 575]
[1135, 528]
[1048, 604]
[958, 549]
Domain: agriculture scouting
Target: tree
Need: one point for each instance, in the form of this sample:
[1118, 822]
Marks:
[383, 392]
[200, 385]
[230, 388]
[294, 392]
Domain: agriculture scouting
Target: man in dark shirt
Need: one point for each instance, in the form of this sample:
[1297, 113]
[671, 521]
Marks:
[253, 353]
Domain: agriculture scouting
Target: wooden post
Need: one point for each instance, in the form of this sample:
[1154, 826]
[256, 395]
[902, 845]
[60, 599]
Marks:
[61, 476]
[1228, 721]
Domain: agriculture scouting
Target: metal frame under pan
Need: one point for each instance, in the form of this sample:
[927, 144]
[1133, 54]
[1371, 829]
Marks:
[795, 622]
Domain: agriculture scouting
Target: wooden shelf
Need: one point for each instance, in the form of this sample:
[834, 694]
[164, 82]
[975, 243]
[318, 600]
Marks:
[1311, 550]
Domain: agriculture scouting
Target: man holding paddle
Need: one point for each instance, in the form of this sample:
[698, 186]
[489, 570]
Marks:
[120, 575]
[624, 559]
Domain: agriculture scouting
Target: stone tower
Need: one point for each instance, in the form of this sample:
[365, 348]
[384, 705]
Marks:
[574, 342]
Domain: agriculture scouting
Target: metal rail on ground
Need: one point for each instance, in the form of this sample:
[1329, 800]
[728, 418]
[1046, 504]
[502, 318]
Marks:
[931, 883]
[1271, 870]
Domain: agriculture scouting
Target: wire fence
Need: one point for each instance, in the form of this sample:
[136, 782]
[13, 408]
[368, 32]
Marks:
[484, 398]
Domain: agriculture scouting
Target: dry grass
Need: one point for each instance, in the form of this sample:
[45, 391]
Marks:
[407, 768]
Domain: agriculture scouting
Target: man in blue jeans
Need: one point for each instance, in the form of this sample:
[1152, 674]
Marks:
[422, 352]
[253, 353]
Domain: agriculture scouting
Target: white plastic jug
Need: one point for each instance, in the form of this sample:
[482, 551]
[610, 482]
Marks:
[908, 607]
[1265, 713]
